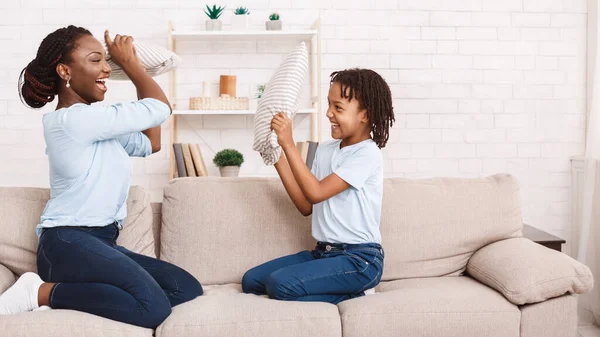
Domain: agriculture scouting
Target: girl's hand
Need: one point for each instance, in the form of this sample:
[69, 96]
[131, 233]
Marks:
[121, 50]
[283, 128]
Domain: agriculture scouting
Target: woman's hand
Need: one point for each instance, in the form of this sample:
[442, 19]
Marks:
[283, 128]
[121, 50]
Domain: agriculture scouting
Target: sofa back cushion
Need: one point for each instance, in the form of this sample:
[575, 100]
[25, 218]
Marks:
[431, 227]
[20, 211]
[218, 228]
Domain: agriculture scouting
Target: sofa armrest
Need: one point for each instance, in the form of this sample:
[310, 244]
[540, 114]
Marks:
[7, 278]
[526, 272]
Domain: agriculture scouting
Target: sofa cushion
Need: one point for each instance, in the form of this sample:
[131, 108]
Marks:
[137, 233]
[431, 307]
[157, 60]
[526, 272]
[431, 227]
[20, 211]
[224, 312]
[156, 223]
[7, 278]
[218, 228]
[59, 323]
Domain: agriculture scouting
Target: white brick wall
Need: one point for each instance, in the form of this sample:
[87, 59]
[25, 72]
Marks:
[479, 86]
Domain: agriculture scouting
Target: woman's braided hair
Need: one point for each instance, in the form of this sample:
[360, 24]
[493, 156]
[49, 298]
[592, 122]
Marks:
[373, 94]
[38, 82]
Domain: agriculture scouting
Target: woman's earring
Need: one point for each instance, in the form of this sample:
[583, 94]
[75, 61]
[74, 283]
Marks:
[68, 84]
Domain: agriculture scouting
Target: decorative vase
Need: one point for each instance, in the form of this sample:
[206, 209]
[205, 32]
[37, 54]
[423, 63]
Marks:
[229, 171]
[214, 25]
[227, 85]
[273, 24]
[240, 22]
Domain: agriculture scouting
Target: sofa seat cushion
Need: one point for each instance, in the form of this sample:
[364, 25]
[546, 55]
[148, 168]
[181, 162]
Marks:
[7, 278]
[60, 323]
[224, 311]
[431, 307]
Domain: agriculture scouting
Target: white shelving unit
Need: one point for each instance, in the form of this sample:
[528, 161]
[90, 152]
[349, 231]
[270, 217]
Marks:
[312, 35]
[237, 35]
[231, 112]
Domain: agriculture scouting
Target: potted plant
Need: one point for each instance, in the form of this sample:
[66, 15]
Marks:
[228, 161]
[213, 14]
[241, 19]
[260, 89]
[274, 23]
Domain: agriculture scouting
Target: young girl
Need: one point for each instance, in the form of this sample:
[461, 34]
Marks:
[343, 191]
[80, 265]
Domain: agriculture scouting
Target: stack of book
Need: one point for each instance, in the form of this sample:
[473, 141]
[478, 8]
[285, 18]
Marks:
[307, 151]
[189, 160]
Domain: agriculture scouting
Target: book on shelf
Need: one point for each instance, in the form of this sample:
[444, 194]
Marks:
[303, 149]
[307, 151]
[201, 170]
[312, 149]
[177, 148]
[189, 160]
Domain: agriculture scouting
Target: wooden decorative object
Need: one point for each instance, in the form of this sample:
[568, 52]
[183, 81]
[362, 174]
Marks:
[227, 85]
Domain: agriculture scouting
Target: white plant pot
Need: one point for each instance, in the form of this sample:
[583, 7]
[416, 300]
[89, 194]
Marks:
[273, 24]
[240, 22]
[229, 171]
[214, 25]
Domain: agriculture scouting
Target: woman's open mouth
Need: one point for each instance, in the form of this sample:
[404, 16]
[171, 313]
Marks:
[101, 83]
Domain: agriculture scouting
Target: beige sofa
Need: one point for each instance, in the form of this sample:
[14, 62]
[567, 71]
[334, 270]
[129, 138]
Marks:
[455, 263]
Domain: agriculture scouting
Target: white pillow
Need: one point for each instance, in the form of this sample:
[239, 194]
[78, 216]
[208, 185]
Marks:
[281, 94]
[156, 59]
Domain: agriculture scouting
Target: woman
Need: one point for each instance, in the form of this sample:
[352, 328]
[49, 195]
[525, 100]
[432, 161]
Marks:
[88, 146]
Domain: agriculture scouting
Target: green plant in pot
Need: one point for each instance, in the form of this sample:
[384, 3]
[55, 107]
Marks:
[274, 22]
[229, 161]
[214, 13]
[241, 19]
[260, 89]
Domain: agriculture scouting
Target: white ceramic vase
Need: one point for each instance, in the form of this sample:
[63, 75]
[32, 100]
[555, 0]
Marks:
[214, 25]
[273, 24]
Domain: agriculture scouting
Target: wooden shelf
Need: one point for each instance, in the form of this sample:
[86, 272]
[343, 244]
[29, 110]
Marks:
[230, 112]
[242, 35]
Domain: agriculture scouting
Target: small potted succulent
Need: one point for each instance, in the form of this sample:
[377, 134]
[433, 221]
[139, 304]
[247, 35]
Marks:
[274, 23]
[241, 19]
[229, 161]
[213, 13]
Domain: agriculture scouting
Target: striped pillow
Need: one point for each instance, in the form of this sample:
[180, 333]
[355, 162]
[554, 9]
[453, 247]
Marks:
[156, 59]
[281, 94]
